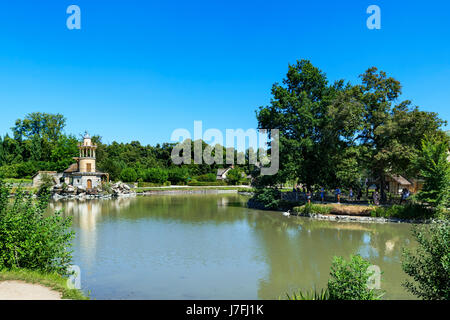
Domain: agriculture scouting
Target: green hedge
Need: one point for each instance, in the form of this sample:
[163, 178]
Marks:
[206, 184]
[150, 184]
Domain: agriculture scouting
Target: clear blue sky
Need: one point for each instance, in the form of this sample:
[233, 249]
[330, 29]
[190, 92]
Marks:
[137, 70]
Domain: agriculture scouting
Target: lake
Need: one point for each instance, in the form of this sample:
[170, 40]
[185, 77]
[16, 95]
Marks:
[210, 246]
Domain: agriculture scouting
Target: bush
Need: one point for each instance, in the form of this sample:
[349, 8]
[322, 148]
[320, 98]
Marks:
[313, 208]
[156, 175]
[209, 177]
[149, 184]
[178, 175]
[30, 240]
[128, 175]
[435, 169]
[205, 184]
[309, 295]
[408, 211]
[235, 176]
[268, 197]
[9, 171]
[430, 265]
[349, 280]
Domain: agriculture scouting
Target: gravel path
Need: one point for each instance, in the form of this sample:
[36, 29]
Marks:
[18, 290]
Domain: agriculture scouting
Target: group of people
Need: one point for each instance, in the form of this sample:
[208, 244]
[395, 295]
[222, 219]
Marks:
[337, 192]
[351, 196]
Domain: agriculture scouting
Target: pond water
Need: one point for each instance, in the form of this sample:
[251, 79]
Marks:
[213, 247]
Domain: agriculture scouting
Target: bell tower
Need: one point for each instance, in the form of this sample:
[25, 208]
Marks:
[86, 161]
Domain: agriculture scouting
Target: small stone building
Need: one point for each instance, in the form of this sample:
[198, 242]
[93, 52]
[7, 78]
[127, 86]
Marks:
[82, 174]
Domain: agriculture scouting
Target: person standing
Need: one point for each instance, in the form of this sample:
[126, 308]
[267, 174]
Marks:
[308, 197]
[376, 197]
[338, 195]
[322, 195]
[359, 195]
[350, 194]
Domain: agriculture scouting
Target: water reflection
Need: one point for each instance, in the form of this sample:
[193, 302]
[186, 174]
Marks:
[212, 247]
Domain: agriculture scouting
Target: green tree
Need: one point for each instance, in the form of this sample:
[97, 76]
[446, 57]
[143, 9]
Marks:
[390, 133]
[234, 176]
[128, 175]
[28, 238]
[429, 266]
[434, 168]
[299, 110]
[349, 280]
[178, 175]
[44, 125]
[156, 175]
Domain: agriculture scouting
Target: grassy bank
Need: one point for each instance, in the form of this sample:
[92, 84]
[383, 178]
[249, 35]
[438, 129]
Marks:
[53, 281]
[191, 188]
[408, 211]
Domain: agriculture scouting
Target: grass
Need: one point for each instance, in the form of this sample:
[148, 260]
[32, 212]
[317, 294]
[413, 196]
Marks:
[17, 181]
[407, 211]
[337, 209]
[309, 295]
[53, 281]
[139, 190]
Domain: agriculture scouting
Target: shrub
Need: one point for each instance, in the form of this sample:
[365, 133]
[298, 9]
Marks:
[30, 240]
[156, 175]
[313, 208]
[178, 175]
[128, 175]
[430, 265]
[234, 176]
[205, 184]
[268, 197]
[349, 280]
[435, 169]
[309, 295]
[408, 211]
[209, 177]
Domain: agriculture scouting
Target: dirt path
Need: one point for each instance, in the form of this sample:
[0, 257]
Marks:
[19, 290]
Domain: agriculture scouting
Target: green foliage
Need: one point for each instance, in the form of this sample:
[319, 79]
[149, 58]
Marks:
[208, 177]
[408, 211]
[128, 175]
[268, 197]
[205, 184]
[309, 295]
[429, 266]
[178, 175]
[150, 184]
[312, 208]
[349, 280]
[340, 134]
[46, 183]
[28, 238]
[435, 170]
[234, 176]
[156, 175]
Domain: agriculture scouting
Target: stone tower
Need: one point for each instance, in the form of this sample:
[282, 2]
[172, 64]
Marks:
[87, 155]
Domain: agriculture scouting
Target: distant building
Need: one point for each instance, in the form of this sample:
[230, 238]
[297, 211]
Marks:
[222, 173]
[37, 178]
[82, 174]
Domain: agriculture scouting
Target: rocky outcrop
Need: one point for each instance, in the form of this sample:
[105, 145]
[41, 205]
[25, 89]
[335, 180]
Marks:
[116, 190]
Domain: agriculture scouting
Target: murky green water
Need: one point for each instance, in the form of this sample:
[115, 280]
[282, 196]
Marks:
[212, 247]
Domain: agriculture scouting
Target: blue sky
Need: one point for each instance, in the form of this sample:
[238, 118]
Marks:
[137, 70]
